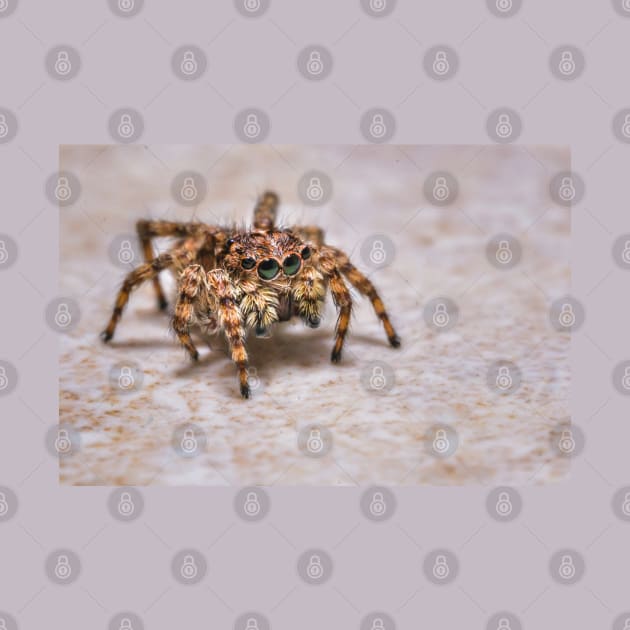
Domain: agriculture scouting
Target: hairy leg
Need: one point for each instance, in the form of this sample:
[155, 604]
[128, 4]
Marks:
[360, 282]
[310, 234]
[308, 296]
[231, 321]
[192, 288]
[265, 211]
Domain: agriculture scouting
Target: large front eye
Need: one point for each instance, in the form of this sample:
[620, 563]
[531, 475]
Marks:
[268, 269]
[248, 263]
[292, 264]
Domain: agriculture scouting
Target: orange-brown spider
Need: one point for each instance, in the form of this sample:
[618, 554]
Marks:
[233, 280]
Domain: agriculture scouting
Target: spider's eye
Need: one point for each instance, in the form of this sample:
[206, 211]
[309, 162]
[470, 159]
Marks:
[291, 264]
[306, 253]
[268, 269]
[248, 263]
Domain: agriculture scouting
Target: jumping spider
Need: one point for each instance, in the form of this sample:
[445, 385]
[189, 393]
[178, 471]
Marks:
[233, 280]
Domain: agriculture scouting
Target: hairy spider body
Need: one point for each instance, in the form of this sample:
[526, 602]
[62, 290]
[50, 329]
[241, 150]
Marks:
[235, 280]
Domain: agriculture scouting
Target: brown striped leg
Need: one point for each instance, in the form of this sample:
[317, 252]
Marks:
[192, 288]
[308, 296]
[365, 287]
[231, 321]
[265, 211]
[310, 234]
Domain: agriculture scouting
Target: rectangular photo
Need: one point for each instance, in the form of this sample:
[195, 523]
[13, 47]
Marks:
[314, 315]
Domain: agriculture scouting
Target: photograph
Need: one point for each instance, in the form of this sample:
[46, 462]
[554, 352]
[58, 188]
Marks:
[314, 315]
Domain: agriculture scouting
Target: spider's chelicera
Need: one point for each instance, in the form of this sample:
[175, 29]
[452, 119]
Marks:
[233, 280]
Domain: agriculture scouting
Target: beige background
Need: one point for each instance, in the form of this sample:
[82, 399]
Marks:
[126, 439]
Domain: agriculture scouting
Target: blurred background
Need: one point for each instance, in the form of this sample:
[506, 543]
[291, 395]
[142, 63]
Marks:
[425, 223]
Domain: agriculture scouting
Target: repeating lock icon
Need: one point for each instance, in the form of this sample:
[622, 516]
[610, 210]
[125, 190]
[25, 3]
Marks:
[4, 506]
[189, 442]
[189, 569]
[189, 64]
[504, 624]
[252, 624]
[441, 190]
[441, 443]
[126, 379]
[504, 505]
[125, 624]
[126, 506]
[252, 127]
[378, 255]
[504, 5]
[567, 63]
[62, 317]
[189, 189]
[626, 5]
[378, 129]
[377, 379]
[63, 191]
[626, 625]
[315, 65]
[315, 443]
[567, 189]
[441, 318]
[504, 254]
[378, 507]
[314, 569]
[441, 570]
[62, 569]
[4, 379]
[625, 506]
[441, 65]
[251, 5]
[63, 66]
[625, 129]
[126, 128]
[504, 127]
[4, 254]
[566, 317]
[566, 443]
[315, 191]
[63, 443]
[504, 379]
[378, 5]
[625, 381]
[126, 254]
[566, 570]
[378, 624]
[126, 5]
[625, 254]
[252, 504]
[4, 128]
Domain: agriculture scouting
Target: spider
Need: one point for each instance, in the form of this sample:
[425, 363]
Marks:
[234, 280]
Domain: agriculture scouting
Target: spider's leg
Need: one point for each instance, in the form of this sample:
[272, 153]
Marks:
[265, 211]
[141, 274]
[365, 287]
[231, 321]
[192, 288]
[309, 234]
[308, 295]
[147, 230]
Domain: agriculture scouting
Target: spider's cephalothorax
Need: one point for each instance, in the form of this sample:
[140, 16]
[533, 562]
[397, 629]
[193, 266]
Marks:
[233, 280]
